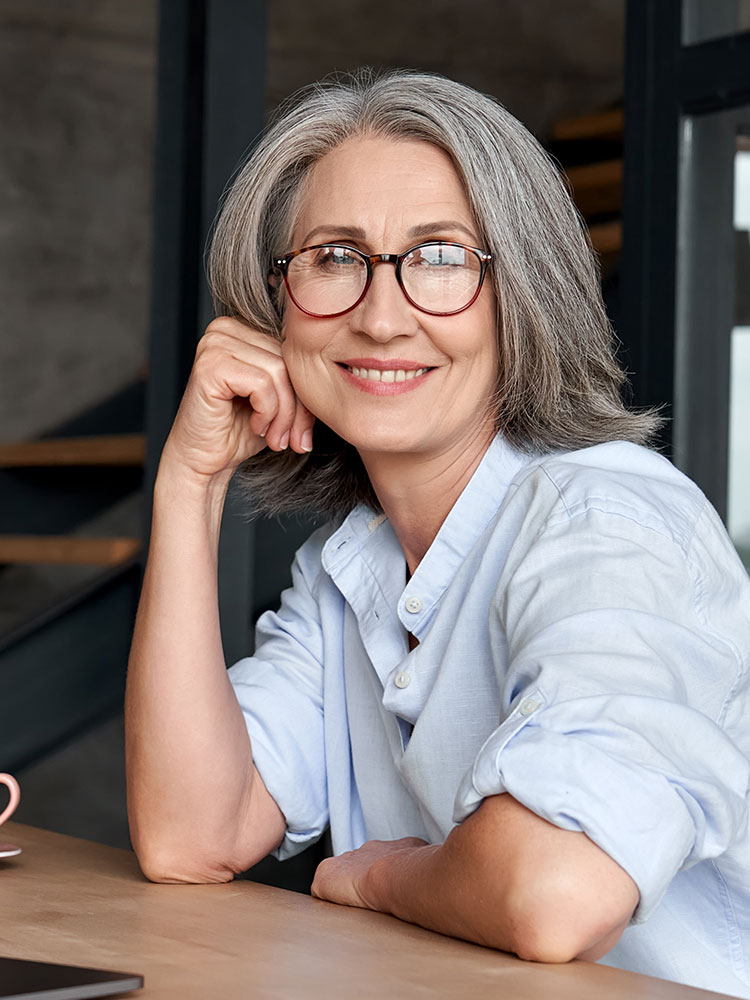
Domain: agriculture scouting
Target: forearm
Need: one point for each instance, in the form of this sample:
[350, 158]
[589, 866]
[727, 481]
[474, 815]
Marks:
[508, 880]
[189, 762]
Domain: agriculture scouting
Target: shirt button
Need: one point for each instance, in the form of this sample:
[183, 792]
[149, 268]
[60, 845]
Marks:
[529, 706]
[413, 604]
[402, 680]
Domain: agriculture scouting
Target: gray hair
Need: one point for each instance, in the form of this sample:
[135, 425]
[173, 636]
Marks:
[559, 384]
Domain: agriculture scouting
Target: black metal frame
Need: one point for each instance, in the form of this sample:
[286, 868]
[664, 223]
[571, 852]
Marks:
[211, 86]
[664, 81]
[177, 237]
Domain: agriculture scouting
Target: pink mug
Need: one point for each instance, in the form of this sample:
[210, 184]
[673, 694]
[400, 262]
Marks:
[15, 796]
[8, 850]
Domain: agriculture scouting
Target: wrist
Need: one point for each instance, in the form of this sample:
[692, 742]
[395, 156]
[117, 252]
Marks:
[177, 481]
[389, 884]
[188, 501]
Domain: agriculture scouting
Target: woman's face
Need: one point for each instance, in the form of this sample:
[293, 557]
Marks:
[385, 196]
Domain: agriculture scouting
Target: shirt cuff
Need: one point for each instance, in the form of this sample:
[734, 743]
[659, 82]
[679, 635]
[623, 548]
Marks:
[290, 758]
[562, 763]
[291, 800]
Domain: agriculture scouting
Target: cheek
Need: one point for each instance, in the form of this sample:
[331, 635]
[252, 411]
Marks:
[301, 351]
[294, 361]
[305, 340]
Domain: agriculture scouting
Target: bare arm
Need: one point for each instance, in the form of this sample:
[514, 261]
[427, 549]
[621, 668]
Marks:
[504, 878]
[198, 809]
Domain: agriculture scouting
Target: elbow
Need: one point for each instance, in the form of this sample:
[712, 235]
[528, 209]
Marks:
[169, 866]
[538, 939]
[561, 924]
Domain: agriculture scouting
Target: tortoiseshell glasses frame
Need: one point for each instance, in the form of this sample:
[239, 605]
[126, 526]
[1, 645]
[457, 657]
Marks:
[281, 266]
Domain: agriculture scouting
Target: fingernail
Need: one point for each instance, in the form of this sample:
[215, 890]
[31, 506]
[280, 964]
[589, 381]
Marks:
[307, 441]
[284, 443]
[264, 431]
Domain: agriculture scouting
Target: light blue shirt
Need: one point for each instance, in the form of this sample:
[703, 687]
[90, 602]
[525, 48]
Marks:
[584, 637]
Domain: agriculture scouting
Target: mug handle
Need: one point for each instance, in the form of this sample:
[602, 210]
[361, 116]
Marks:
[15, 796]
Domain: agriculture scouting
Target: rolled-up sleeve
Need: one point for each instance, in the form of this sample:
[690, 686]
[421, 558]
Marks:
[280, 691]
[613, 704]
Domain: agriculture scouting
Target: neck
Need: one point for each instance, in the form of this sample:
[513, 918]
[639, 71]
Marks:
[417, 493]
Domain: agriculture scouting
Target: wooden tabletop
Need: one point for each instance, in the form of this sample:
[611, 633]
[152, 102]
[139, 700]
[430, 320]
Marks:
[77, 903]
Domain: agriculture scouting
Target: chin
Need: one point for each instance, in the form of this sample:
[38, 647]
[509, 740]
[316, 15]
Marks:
[381, 440]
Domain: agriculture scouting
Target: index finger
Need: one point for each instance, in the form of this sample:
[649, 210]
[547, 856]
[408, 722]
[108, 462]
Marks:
[238, 328]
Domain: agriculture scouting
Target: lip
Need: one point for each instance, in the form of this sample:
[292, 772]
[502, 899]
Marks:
[378, 364]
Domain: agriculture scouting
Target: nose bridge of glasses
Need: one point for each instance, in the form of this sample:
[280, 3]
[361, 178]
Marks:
[384, 258]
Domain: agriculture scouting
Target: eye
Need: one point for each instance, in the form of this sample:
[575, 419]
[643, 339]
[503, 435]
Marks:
[438, 256]
[332, 258]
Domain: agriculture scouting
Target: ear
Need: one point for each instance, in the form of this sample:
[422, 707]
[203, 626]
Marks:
[275, 284]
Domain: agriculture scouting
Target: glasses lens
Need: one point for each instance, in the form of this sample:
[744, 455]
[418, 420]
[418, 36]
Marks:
[441, 277]
[326, 280]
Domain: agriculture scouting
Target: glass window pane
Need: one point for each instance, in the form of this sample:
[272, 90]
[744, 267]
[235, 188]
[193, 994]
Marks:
[712, 347]
[738, 501]
[738, 518]
[703, 20]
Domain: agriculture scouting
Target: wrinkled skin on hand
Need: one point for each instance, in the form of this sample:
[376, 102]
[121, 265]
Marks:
[343, 879]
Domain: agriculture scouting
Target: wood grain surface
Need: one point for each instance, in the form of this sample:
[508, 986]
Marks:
[102, 449]
[70, 550]
[69, 901]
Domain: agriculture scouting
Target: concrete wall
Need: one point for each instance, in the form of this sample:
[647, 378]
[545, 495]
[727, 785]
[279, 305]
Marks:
[77, 123]
[544, 59]
[77, 119]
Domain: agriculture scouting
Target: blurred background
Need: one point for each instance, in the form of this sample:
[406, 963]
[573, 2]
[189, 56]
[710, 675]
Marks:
[122, 123]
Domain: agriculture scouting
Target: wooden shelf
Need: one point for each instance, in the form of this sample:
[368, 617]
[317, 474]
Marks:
[597, 187]
[606, 237]
[602, 125]
[105, 449]
[66, 550]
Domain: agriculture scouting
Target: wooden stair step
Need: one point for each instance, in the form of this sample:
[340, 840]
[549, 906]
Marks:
[605, 173]
[66, 550]
[606, 237]
[600, 125]
[104, 449]
[597, 187]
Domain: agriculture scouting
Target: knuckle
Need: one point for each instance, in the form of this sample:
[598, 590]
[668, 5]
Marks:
[209, 342]
[205, 363]
[264, 378]
[221, 324]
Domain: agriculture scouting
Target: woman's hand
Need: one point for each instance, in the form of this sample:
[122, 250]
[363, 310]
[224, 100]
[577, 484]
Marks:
[238, 400]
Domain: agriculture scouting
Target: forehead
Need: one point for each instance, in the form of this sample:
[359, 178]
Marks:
[374, 182]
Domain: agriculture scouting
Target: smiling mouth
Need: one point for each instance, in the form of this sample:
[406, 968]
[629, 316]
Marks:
[387, 374]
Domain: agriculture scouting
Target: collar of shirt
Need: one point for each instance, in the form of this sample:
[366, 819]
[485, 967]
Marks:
[366, 562]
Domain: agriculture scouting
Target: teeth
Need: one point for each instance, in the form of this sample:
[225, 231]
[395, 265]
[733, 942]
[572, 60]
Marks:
[389, 375]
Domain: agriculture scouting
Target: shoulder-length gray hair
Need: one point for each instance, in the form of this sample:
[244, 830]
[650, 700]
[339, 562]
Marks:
[558, 381]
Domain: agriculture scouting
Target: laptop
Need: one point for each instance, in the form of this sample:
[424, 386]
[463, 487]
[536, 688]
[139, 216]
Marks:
[22, 980]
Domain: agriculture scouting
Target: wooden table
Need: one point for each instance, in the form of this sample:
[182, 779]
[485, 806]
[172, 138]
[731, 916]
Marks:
[69, 901]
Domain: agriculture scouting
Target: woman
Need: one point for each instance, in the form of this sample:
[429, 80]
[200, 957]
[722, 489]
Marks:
[511, 671]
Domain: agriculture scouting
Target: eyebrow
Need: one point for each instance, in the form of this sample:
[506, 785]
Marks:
[421, 231]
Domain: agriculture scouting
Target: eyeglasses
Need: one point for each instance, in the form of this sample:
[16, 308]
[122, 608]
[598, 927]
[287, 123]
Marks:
[438, 278]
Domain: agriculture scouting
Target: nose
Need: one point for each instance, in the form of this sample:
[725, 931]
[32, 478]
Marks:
[385, 312]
